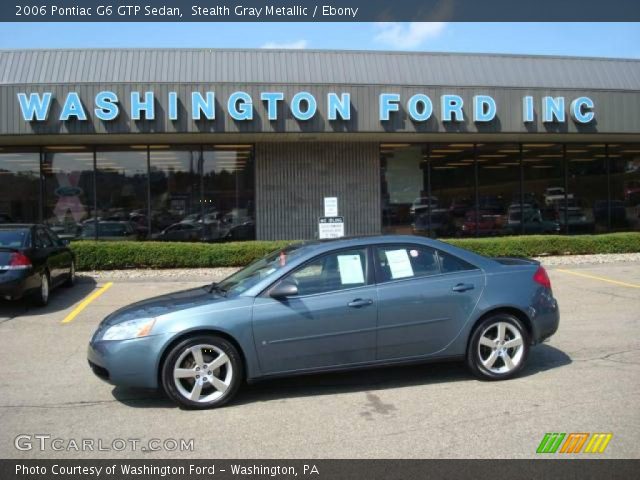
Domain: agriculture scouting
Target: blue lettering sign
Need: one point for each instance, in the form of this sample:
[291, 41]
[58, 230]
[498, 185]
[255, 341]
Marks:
[240, 106]
[106, 106]
[72, 108]
[388, 103]
[420, 107]
[484, 108]
[339, 106]
[173, 106]
[200, 106]
[34, 106]
[272, 99]
[138, 106]
[553, 109]
[452, 107]
[581, 110]
[296, 109]
[527, 109]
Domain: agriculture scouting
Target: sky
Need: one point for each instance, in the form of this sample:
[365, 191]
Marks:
[620, 40]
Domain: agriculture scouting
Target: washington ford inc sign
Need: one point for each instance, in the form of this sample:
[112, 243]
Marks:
[303, 106]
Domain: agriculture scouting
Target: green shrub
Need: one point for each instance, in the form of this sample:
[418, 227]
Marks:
[121, 255]
[540, 245]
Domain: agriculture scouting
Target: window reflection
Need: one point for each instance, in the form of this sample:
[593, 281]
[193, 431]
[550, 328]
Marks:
[122, 186]
[175, 194]
[586, 209]
[228, 210]
[68, 189]
[625, 186]
[19, 186]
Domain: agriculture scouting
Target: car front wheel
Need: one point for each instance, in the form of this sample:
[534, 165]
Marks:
[202, 372]
[498, 348]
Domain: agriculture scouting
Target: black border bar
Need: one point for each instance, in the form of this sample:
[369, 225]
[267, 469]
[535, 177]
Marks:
[322, 11]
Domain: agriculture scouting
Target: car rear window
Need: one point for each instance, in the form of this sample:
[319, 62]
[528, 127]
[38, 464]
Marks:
[13, 238]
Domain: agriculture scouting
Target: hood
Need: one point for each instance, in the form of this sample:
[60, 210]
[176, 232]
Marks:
[164, 304]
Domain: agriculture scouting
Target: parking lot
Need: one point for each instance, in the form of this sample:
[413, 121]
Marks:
[585, 379]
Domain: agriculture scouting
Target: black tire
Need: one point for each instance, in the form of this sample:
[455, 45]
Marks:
[40, 297]
[71, 279]
[179, 350]
[475, 351]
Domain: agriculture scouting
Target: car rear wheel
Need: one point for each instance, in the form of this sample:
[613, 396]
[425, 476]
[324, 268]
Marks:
[71, 279]
[498, 348]
[202, 372]
[41, 295]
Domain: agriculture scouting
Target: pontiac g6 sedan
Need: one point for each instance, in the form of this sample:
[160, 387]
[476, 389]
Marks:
[324, 306]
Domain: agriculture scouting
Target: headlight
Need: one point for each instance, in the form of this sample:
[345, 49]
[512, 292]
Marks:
[140, 327]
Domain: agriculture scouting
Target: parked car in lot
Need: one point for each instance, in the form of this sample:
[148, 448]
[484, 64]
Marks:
[33, 261]
[441, 222]
[554, 195]
[575, 219]
[486, 223]
[618, 212]
[422, 204]
[109, 231]
[529, 220]
[336, 305]
[180, 232]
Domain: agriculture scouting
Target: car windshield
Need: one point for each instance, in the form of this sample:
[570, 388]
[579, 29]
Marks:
[266, 267]
[13, 238]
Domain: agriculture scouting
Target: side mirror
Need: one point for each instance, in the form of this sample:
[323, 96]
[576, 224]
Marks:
[284, 289]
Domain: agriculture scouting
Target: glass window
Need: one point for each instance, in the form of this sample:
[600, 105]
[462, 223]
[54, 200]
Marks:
[625, 186]
[19, 186]
[499, 199]
[451, 264]
[543, 171]
[228, 193]
[14, 238]
[404, 186]
[452, 191]
[68, 189]
[406, 261]
[329, 273]
[584, 210]
[175, 189]
[42, 239]
[122, 186]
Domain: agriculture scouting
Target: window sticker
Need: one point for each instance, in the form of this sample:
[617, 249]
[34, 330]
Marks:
[399, 263]
[350, 268]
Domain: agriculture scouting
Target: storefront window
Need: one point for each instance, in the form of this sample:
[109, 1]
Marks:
[586, 203]
[500, 210]
[175, 193]
[19, 186]
[228, 193]
[122, 186]
[404, 186]
[625, 186]
[68, 189]
[543, 188]
[452, 191]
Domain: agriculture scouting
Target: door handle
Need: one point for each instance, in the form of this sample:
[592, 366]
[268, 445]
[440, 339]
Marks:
[463, 287]
[360, 302]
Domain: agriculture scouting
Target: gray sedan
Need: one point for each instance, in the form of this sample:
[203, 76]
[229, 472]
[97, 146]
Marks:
[325, 306]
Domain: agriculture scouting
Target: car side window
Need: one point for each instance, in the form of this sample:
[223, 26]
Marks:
[332, 272]
[450, 263]
[406, 261]
[42, 240]
[55, 240]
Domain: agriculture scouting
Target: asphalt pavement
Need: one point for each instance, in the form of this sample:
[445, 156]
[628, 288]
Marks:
[585, 379]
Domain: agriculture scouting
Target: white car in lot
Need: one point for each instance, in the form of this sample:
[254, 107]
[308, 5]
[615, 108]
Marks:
[554, 195]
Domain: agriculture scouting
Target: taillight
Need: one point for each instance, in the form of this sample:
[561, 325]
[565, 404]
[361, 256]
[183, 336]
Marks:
[19, 261]
[542, 278]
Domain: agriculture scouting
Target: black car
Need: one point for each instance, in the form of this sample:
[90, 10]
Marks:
[33, 261]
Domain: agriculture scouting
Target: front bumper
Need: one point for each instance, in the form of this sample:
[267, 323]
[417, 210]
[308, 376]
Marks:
[133, 362]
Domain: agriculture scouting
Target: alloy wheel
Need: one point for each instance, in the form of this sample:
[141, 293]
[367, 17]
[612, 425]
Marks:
[202, 373]
[501, 347]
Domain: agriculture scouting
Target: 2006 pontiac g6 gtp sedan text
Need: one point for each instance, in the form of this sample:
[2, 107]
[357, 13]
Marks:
[322, 306]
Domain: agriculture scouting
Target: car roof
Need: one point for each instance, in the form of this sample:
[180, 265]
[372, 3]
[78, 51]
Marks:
[18, 226]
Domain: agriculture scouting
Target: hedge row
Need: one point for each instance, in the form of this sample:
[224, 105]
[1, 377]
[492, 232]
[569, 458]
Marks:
[121, 255]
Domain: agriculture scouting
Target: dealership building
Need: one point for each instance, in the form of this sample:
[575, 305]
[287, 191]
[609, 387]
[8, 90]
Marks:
[271, 144]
